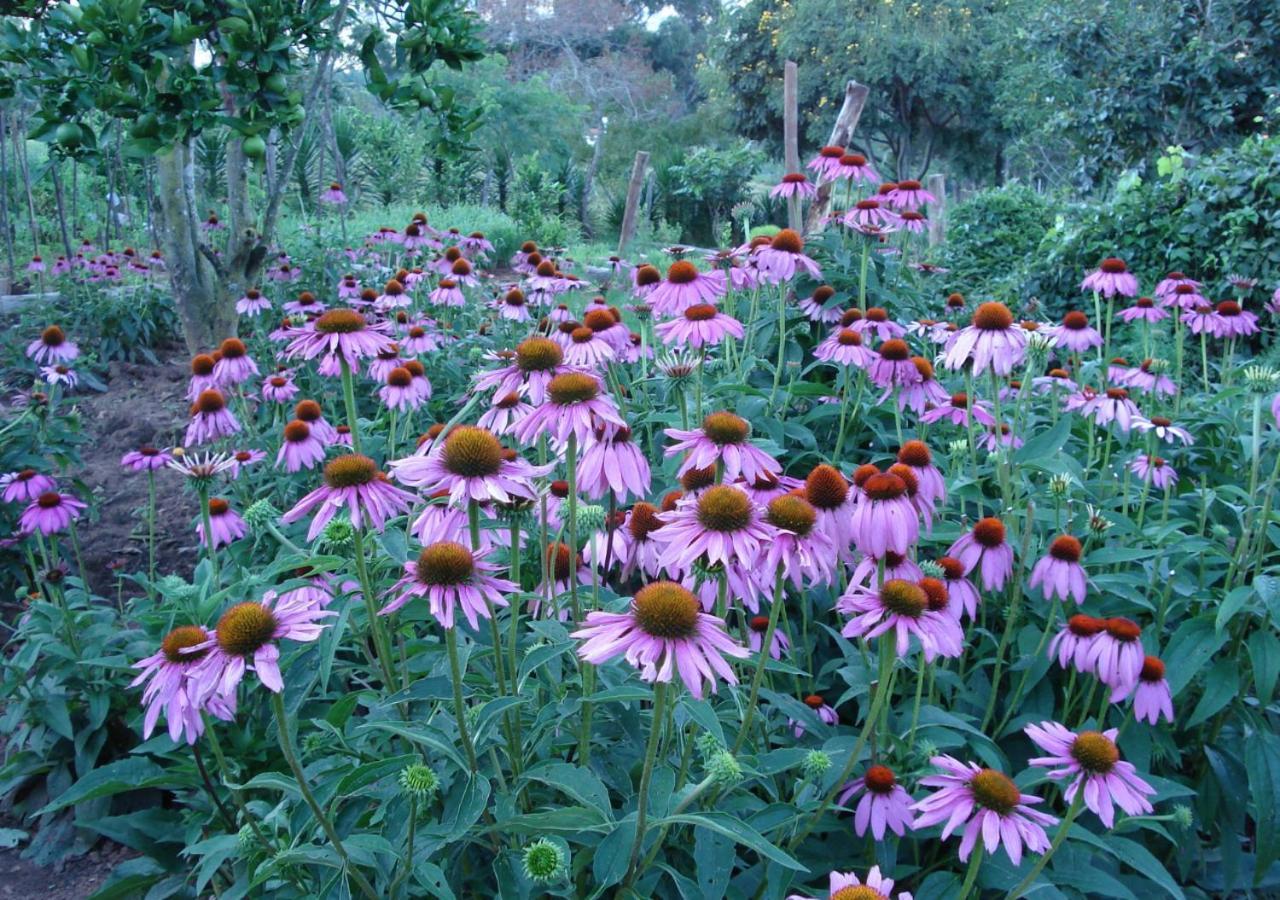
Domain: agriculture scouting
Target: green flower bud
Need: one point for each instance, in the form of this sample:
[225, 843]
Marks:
[815, 765]
[545, 861]
[707, 744]
[1060, 486]
[260, 514]
[724, 768]
[958, 447]
[419, 781]
[338, 534]
[1182, 816]
[246, 840]
[1261, 379]
[590, 518]
[931, 569]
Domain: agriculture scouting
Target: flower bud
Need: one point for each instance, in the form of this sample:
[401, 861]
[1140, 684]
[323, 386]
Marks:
[419, 781]
[545, 861]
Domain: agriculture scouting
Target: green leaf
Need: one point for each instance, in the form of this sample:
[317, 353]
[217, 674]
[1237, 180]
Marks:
[713, 858]
[1191, 645]
[130, 774]
[740, 832]
[609, 862]
[369, 773]
[1232, 604]
[12, 837]
[1046, 444]
[1262, 762]
[1133, 855]
[1221, 687]
[1264, 653]
[581, 784]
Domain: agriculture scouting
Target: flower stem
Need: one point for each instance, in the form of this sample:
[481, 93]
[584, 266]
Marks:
[1043, 861]
[765, 645]
[646, 775]
[286, 745]
[203, 494]
[571, 464]
[459, 709]
[151, 534]
[782, 342]
[349, 399]
[379, 636]
[971, 874]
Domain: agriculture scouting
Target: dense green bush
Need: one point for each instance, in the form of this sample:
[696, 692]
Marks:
[1211, 216]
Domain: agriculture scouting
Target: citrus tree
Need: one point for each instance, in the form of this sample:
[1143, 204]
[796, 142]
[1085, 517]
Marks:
[154, 76]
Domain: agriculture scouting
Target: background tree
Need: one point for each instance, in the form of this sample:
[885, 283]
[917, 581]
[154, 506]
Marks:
[159, 76]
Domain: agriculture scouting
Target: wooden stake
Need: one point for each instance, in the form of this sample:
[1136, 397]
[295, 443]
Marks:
[937, 186]
[791, 137]
[633, 200]
[855, 98]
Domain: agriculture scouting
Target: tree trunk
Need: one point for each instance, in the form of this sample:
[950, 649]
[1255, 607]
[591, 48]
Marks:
[54, 166]
[588, 181]
[938, 209]
[5, 225]
[20, 159]
[628, 228]
[855, 98]
[205, 308]
[790, 138]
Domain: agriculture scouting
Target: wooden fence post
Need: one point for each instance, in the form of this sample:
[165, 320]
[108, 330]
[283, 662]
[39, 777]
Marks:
[937, 186]
[633, 200]
[791, 137]
[855, 98]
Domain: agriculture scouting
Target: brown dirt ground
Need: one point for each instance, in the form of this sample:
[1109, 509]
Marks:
[75, 879]
[143, 404]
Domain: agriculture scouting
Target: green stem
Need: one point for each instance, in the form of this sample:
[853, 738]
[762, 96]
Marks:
[286, 745]
[1058, 838]
[646, 775]
[459, 709]
[210, 553]
[151, 534]
[971, 874]
[376, 631]
[782, 343]
[761, 660]
[349, 399]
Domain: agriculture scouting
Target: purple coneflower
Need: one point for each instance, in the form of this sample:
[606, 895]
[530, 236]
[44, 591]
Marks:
[1111, 278]
[586, 349]
[1152, 697]
[234, 364]
[884, 518]
[1073, 643]
[1155, 470]
[451, 577]
[353, 481]
[701, 325]
[253, 303]
[825, 712]
[988, 804]
[210, 419]
[245, 638]
[985, 547]
[471, 465]
[300, 449]
[794, 184]
[909, 194]
[168, 690]
[1115, 655]
[1231, 321]
[1075, 333]
[724, 439]
[1200, 319]
[854, 167]
[505, 412]
[1092, 761]
[845, 348]
[779, 647]
[898, 606]
[664, 633]
[870, 216]
[815, 305]
[1059, 571]
[892, 365]
[991, 341]
[783, 256]
[885, 804]
[49, 513]
[52, 347]
[341, 332]
[575, 404]
[611, 462]
[826, 162]
[829, 494]
[305, 304]
[309, 411]
[1114, 405]
[805, 554]
[958, 409]
[1171, 282]
[535, 363]
[225, 525]
[1144, 309]
[144, 459]
[962, 596]
[333, 195]
[683, 287]
[279, 388]
[1164, 429]
[399, 392]
[719, 525]
[846, 886]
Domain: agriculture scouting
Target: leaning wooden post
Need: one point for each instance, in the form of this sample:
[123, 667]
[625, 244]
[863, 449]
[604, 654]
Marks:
[791, 137]
[855, 98]
[937, 186]
[633, 200]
